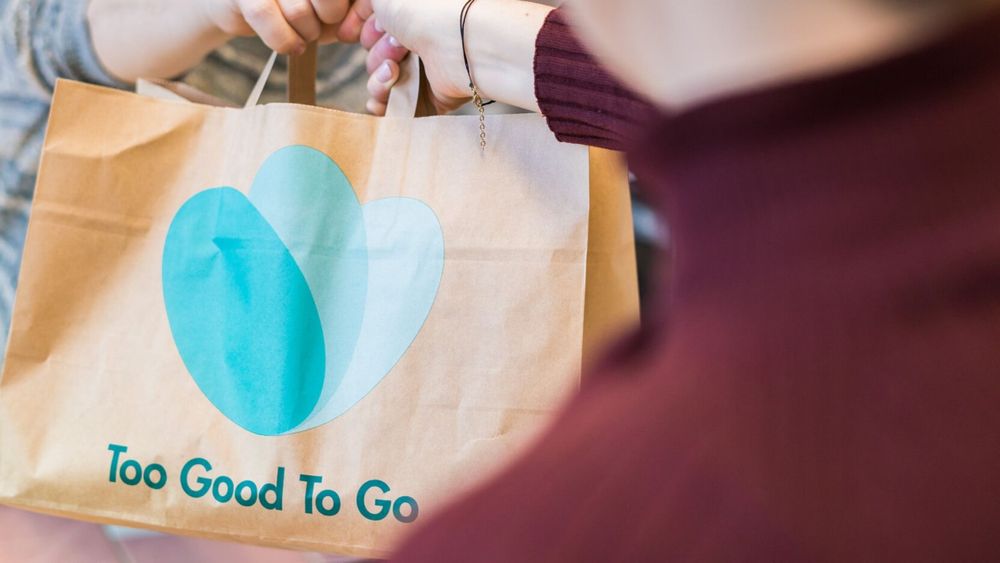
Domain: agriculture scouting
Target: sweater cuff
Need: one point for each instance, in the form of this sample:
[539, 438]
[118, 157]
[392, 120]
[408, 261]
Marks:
[582, 103]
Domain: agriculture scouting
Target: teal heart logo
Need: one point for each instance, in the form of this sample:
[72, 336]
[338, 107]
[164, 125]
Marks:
[288, 306]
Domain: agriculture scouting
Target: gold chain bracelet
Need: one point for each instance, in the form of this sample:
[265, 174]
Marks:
[477, 99]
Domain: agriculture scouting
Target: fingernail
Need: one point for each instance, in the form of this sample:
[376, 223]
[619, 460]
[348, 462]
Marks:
[378, 26]
[383, 74]
[394, 42]
[299, 49]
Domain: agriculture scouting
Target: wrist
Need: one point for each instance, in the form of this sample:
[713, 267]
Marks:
[500, 42]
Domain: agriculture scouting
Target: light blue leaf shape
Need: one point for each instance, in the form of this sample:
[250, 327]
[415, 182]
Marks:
[310, 203]
[241, 314]
[406, 262]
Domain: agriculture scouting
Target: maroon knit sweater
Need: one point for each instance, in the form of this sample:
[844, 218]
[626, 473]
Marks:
[581, 101]
[830, 387]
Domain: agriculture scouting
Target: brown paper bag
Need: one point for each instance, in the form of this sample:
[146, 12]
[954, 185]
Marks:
[294, 326]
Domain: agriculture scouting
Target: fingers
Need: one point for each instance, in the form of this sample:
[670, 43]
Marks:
[287, 26]
[302, 17]
[386, 48]
[331, 11]
[268, 20]
[376, 108]
[380, 84]
[371, 33]
[354, 21]
[384, 55]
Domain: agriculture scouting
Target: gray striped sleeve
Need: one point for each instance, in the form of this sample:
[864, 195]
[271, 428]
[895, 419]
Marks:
[42, 40]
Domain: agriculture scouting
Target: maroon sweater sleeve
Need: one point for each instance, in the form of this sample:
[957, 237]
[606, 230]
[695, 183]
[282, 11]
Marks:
[581, 101]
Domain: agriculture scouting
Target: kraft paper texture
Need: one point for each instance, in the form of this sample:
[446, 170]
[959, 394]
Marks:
[538, 275]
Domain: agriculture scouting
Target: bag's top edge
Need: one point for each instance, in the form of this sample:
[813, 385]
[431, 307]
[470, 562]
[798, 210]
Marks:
[63, 84]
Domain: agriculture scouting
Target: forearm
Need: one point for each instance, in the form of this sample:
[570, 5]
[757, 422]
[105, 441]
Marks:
[151, 38]
[500, 37]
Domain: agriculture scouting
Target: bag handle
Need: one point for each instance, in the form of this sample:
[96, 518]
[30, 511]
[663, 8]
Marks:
[301, 78]
[410, 97]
